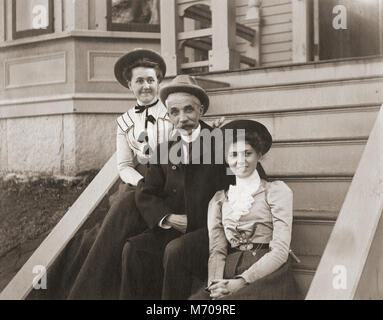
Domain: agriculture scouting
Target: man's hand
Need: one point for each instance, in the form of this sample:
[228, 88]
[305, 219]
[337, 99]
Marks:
[221, 288]
[218, 122]
[177, 221]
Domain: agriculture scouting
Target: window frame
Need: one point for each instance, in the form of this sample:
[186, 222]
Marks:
[32, 32]
[129, 27]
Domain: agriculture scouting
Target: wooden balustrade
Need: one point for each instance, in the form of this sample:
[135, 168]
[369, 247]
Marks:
[219, 40]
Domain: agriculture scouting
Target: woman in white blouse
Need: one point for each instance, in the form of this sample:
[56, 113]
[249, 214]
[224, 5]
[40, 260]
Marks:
[146, 124]
[250, 225]
[90, 265]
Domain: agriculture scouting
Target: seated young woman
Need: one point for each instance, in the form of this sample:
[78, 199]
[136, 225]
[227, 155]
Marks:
[250, 225]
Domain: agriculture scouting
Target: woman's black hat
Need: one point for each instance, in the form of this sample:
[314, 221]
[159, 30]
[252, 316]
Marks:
[128, 60]
[252, 126]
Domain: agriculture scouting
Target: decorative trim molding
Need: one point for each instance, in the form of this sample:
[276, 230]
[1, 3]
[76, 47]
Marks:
[92, 55]
[85, 34]
[8, 64]
[64, 104]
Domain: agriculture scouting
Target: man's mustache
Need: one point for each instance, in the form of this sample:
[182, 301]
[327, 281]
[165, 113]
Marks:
[186, 126]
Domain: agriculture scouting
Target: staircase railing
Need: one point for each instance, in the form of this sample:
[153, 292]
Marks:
[218, 40]
[351, 266]
[23, 282]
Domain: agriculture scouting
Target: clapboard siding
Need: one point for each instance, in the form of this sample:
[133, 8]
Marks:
[271, 3]
[276, 47]
[271, 57]
[275, 19]
[276, 30]
[276, 38]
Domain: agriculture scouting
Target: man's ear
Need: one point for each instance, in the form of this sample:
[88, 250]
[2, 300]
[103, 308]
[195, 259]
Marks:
[129, 84]
[202, 108]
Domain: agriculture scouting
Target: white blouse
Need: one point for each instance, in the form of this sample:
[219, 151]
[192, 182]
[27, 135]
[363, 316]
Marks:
[268, 220]
[240, 195]
[130, 131]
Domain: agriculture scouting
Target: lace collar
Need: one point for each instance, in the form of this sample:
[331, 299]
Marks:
[240, 196]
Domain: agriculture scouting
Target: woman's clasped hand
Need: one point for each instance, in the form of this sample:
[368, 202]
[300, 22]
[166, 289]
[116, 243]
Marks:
[223, 287]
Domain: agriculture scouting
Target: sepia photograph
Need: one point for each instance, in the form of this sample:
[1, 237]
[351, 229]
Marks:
[191, 150]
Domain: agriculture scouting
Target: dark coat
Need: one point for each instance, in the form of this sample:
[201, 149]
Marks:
[181, 189]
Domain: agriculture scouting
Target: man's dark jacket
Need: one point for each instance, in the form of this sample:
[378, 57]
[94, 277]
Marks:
[181, 189]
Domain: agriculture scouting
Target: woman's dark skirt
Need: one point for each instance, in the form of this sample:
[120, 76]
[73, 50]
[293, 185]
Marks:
[90, 265]
[279, 285]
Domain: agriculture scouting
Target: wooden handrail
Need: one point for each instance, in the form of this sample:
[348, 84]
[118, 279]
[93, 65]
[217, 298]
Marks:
[351, 266]
[194, 34]
[197, 64]
[22, 283]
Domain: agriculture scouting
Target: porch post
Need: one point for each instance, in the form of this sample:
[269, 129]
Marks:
[301, 30]
[2, 20]
[381, 26]
[101, 15]
[170, 21]
[76, 15]
[253, 20]
[223, 56]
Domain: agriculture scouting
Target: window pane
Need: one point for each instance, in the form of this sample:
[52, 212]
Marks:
[32, 14]
[135, 11]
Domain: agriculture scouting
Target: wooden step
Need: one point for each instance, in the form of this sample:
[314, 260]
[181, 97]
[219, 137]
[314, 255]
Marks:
[339, 123]
[304, 272]
[311, 231]
[322, 71]
[316, 158]
[296, 97]
[318, 193]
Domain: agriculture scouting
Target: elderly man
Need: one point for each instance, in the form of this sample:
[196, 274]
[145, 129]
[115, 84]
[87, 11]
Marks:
[173, 199]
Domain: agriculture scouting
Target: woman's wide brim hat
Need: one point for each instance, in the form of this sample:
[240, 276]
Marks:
[187, 84]
[132, 57]
[252, 126]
